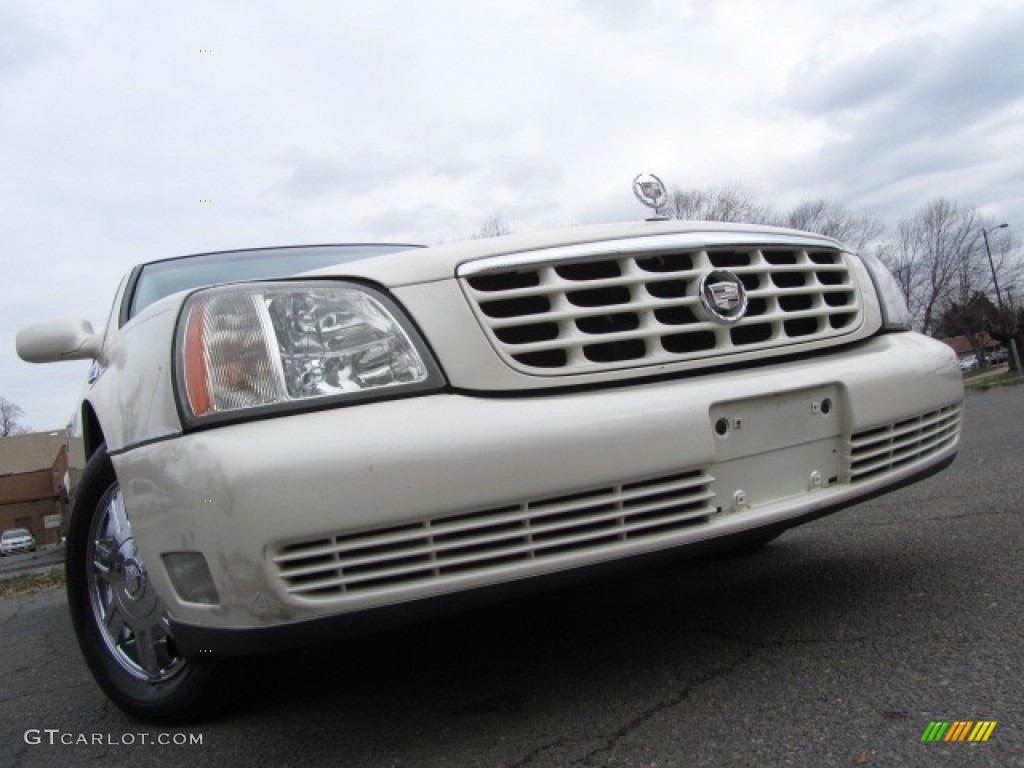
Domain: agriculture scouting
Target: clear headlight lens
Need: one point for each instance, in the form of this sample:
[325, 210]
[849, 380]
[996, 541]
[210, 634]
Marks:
[895, 315]
[274, 345]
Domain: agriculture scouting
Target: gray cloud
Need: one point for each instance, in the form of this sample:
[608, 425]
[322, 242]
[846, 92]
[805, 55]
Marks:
[916, 113]
[408, 224]
[25, 41]
[311, 176]
[617, 14]
[452, 166]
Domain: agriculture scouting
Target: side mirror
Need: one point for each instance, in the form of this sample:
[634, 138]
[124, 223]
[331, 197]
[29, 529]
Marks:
[56, 340]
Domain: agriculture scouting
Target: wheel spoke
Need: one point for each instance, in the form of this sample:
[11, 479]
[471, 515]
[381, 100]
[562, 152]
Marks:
[114, 621]
[103, 557]
[147, 652]
[117, 520]
[128, 614]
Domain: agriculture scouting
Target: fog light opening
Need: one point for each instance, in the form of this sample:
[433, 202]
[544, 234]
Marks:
[191, 577]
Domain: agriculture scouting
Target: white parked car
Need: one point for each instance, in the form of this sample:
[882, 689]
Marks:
[16, 540]
[281, 444]
[969, 363]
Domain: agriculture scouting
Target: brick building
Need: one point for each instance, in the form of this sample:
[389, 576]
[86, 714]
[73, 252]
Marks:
[32, 492]
[966, 345]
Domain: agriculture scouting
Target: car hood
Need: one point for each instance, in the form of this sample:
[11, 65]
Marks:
[425, 265]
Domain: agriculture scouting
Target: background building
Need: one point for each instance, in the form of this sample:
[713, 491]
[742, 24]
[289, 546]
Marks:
[32, 490]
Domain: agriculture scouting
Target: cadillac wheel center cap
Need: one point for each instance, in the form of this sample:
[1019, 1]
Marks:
[134, 578]
[723, 296]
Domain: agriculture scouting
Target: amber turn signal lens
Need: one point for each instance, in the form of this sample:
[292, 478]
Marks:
[194, 359]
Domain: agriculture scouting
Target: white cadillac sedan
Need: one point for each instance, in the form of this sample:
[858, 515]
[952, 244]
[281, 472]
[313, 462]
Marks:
[282, 444]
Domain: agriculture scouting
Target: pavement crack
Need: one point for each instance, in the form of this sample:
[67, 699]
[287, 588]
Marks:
[592, 757]
[750, 649]
[537, 752]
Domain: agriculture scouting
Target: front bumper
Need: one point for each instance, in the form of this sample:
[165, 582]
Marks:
[329, 514]
[14, 549]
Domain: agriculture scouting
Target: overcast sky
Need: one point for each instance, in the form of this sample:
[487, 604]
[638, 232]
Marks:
[415, 120]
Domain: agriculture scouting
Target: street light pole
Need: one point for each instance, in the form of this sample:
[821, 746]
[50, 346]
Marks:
[999, 295]
[991, 264]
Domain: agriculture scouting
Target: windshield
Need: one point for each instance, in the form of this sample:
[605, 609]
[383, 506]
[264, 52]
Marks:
[162, 278]
[15, 533]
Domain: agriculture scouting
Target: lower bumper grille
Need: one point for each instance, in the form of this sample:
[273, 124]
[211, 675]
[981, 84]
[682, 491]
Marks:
[433, 549]
[590, 522]
[876, 451]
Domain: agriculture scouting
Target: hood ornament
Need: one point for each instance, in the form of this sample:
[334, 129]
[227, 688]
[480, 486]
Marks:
[650, 190]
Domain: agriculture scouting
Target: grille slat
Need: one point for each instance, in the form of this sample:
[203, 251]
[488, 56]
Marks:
[886, 448]
[895, 458]
[896, 446]
[655, 330]
[796, 296]
[929, 420]
[433, 549]
[638, 307]
[580, 539]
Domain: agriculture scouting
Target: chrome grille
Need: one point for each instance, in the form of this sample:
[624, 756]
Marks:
[434, 549]
[887, 448]
[616, 310]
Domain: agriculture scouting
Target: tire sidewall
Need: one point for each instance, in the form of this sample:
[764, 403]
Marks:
[173, 700]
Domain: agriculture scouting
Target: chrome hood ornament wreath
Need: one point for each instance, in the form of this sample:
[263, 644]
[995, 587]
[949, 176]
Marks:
[651, 191]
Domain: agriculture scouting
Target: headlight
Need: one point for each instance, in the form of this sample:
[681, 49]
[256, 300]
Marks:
[895, 315]
[282, 345]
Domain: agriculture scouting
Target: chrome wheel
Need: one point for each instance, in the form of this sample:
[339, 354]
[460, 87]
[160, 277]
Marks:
[131, 618]
[120, 620]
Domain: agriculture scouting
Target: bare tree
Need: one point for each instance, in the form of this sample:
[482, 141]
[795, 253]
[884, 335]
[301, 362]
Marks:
[832, 219]
[931, 257]
[905, 256]
[10, 418]
[725, 203]
[493, 226]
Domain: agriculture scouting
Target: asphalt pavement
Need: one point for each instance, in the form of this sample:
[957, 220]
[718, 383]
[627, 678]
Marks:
[837, 645]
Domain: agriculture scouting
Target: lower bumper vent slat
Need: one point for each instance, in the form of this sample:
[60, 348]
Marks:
[887, 448]
[433, 549]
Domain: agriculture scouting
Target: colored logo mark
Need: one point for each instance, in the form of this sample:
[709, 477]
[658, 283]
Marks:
[958, 730]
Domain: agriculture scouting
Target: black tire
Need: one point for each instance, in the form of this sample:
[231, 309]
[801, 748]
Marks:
[120, 621]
